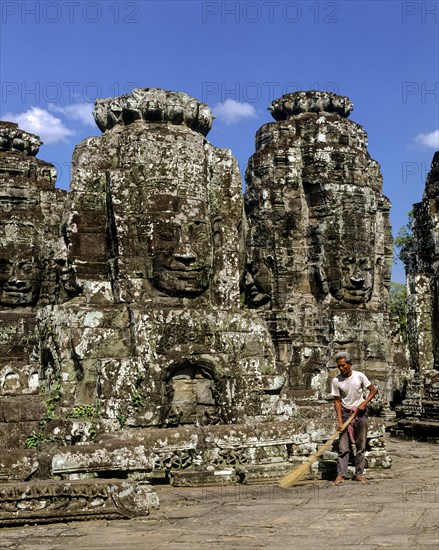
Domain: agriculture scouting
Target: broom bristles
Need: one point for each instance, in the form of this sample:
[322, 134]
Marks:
[300, 471]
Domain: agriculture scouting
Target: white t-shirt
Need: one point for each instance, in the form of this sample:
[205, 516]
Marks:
[350, 389]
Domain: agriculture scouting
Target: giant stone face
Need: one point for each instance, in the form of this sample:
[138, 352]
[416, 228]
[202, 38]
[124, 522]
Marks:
[19, 282]
[349, 251]
[182, 244]
[20, 275]
[350, 279]
[259, 279]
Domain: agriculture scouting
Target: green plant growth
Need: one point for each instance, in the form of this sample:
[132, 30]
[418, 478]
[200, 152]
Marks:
[32, 441]
[397, 304]
[404, 242]
[51, 403]
[137, 397]
[85, 412]
[136, 400]
[53, 400]
[122, 419]
[93, 429]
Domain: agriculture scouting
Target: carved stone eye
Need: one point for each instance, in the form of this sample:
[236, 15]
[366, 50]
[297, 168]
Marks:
[26, 267]
[198, 232]
[5, 266]
[201, 236]
[166, 232]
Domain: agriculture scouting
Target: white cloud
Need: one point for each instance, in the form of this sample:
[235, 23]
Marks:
[231, 111]
[42, 123]
[77, 111]
[430, 140]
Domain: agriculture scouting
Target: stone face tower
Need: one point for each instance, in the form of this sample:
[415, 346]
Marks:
[33, 267]
[320, 245]
[423, 277]
[421, 406]
[153, 226]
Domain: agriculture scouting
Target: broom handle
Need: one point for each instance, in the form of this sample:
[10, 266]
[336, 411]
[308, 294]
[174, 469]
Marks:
[333, 437]
[294, 476]
[346, 424]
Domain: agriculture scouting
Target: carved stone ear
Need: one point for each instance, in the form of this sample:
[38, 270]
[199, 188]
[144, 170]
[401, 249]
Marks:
[216, 232]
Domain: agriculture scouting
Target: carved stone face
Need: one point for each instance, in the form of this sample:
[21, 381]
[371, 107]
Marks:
[193, 401]
[258, 281]
[182, 244]
[351, 279]
[20, 282]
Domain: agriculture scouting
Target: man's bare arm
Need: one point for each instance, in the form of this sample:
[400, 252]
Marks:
[337, 406]
[372, 392]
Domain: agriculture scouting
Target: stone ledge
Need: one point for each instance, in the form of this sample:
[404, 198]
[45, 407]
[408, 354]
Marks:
[420, 430]
[50, 501]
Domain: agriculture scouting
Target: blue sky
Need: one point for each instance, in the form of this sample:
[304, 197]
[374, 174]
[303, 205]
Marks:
[57, 57]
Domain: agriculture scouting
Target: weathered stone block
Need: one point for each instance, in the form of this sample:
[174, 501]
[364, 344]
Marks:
[88, 459]
[48, 501]
[18, 464]
[22, 408]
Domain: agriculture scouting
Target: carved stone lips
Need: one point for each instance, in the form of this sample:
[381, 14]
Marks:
[358, 291]
[186, 273]
[16, 291]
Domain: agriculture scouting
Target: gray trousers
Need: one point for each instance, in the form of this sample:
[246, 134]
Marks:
[360, 436]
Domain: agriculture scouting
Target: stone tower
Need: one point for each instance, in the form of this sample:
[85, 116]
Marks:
[153, 226]
[33, 267]
[319, 245]
[421, 406]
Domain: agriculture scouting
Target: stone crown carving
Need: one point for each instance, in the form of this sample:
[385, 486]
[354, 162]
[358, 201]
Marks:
[313, 101]
[153, 105]
[14, 139]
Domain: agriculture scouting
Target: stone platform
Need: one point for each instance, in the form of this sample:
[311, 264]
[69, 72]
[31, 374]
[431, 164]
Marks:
[396, 513]
[110, 478]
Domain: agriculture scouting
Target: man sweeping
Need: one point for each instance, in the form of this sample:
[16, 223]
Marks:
[348, 388]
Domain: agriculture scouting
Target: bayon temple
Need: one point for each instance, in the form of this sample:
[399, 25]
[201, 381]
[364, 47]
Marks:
[157, 326]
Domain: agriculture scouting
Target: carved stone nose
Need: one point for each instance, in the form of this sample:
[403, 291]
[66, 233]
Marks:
[249, 280]
[185, 254]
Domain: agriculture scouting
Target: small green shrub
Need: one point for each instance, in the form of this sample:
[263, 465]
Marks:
[33, 440]
[85, 411]
[122, 419]
[136, 400]
[52, 401]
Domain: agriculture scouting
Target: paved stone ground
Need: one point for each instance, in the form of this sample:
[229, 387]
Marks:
[398, 513]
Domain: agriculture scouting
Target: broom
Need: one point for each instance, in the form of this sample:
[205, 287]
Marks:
[298, 473]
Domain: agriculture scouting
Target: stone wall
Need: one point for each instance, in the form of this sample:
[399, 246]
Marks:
[34, 269]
